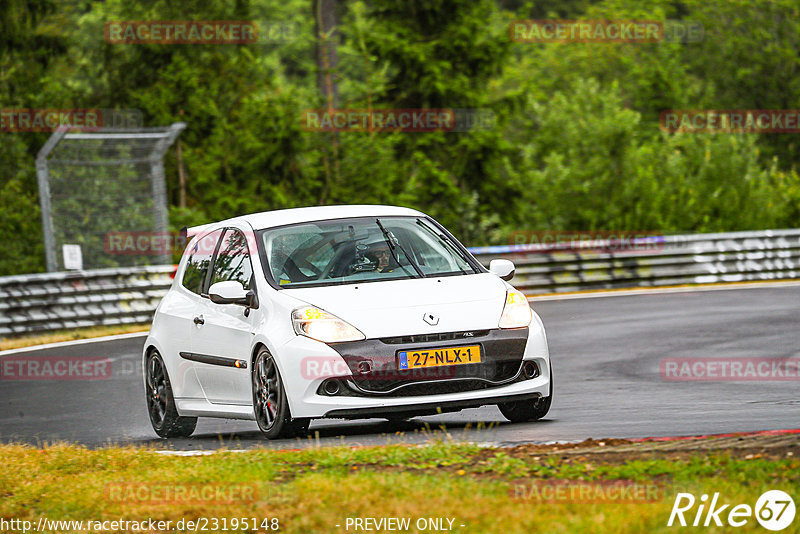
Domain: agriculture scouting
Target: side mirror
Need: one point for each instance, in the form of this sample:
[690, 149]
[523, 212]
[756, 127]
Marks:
[502, 268]
[230, 292]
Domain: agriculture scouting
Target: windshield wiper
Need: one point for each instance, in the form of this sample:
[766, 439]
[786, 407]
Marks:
[395, 244]
[443, 238]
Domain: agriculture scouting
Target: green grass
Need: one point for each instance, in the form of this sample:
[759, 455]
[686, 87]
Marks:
[313, 490]
[89, 332]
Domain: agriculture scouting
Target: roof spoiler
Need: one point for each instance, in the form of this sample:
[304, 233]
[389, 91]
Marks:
[189, 233]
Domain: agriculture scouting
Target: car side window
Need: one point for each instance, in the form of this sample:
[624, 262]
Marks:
[233, 260]
[199, 261]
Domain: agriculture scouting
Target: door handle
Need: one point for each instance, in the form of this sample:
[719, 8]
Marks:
[199, 320]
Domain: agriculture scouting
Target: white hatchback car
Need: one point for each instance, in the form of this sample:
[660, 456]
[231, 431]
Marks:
[340, 312]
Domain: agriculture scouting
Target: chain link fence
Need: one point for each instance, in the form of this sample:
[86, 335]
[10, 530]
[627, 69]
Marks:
[93, 184]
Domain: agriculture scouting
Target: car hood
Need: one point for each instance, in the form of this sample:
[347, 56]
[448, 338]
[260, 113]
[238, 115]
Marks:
[398, 307]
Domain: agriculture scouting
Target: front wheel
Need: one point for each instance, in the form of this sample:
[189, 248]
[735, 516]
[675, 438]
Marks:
[161, 404]
[528, 410]
[269, 401]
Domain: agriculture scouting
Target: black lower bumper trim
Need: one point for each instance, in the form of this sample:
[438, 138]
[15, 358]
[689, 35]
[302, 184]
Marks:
[427, 408]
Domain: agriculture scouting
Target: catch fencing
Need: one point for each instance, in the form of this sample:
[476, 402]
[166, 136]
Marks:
[53, 301]
[97, 182]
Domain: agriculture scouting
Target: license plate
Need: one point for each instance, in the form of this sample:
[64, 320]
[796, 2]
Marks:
[415, 359]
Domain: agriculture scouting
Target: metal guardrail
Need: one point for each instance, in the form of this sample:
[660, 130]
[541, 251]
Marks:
[651, 261]
[53, 301]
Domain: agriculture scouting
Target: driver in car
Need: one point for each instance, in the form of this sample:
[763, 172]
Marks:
[380, 255]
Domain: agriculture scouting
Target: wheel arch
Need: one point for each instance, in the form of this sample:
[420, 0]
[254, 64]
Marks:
[256, 348]
[149, 348]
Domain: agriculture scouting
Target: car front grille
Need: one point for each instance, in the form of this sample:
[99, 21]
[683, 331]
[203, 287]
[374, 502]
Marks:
[430, 338]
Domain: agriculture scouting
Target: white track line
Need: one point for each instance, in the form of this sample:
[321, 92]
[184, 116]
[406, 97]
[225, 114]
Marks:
[72, 343]
[662, 291]
[197, 453]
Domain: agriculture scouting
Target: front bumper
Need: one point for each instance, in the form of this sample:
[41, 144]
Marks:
[508, 351]
[373, 364]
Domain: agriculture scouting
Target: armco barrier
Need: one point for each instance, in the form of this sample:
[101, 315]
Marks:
[652, 261]
[42, 302]
[54, 301]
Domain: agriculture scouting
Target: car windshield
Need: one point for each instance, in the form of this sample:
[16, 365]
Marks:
[356, 250]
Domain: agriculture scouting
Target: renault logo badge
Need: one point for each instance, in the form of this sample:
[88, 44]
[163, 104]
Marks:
[431, 319]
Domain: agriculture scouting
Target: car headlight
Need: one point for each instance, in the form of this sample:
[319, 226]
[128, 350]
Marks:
[517, 312]
[323, 326]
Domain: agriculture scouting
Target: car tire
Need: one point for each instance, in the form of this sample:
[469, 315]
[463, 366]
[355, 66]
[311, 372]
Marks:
[270, 405]
[528, 410]
[161, 404]
[297, 428]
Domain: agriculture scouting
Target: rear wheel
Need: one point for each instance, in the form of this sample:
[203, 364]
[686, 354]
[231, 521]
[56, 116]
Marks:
[269, 401]
[528, 410]
[161, 404]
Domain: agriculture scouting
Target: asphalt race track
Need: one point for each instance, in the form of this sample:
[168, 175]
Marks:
[605, 353]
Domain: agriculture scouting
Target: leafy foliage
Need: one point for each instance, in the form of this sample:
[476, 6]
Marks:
[576, 145]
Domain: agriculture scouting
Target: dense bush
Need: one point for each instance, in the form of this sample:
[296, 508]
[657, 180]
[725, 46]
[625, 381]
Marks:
[576, 146]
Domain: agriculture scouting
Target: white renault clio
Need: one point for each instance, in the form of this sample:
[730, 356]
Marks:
[340, 312]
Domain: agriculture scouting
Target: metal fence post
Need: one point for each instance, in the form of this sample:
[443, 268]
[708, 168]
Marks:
[161, 217]
[43, 178]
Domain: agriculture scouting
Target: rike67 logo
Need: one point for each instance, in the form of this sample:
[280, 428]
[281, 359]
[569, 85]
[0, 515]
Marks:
[774, 510]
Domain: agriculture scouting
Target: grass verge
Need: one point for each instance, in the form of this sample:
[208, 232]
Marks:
[483, 490]
[69, 335]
